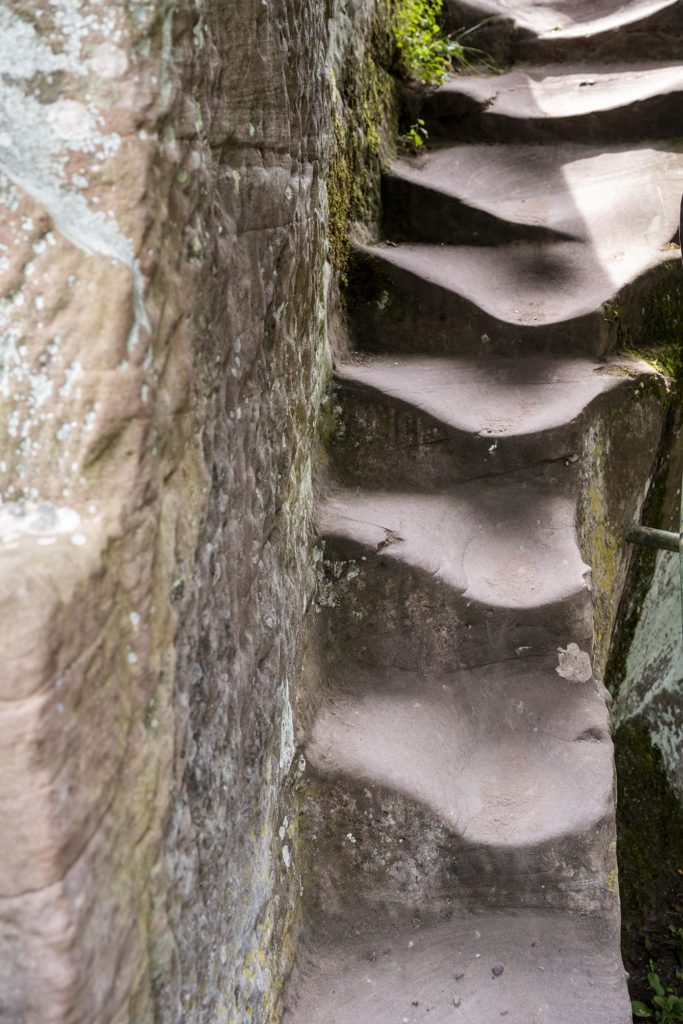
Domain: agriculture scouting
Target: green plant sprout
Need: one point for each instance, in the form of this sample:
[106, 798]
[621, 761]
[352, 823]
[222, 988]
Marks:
[667, 1008]
[427, 54]
[416, 136]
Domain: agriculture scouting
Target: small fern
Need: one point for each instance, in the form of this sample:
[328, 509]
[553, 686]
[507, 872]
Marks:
[426, 53]
[415, 138]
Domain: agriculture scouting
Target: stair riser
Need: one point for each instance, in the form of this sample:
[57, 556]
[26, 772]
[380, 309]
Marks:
[453, 117]
[495, 38]
[655, 38]
[369, 848]
[392, 310]
[659, 38]
[417, 214]
[387, 615]
[394, 444]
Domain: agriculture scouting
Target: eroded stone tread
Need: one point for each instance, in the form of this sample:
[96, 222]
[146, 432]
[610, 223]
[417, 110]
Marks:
[556, 967]
[506, 755]
[571, 18]
[492, 398]
[503, 542]
[525, 284]
[605, 197]
[537, 103]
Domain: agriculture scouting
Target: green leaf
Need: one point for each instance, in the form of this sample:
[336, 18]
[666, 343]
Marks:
[676, 1008]
[655, 983]
[640, 1010]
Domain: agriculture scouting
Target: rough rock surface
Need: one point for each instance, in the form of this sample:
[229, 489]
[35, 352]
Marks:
[646, 664]
[161, 358]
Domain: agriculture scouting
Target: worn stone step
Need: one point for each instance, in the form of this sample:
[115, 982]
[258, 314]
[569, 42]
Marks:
[584, 29]
[537, 104]
[429, 421]
[386, 969]
[510, 754]
[477, 194]
[461, 577]
[490, 787]
[506, 299]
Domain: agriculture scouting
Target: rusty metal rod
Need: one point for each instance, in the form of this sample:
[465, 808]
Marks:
[654, 538]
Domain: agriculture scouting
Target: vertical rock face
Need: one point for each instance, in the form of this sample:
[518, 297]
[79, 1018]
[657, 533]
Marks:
[161, 357]
[646, 666]
[96, 359]
[259, 374]
[645, 674]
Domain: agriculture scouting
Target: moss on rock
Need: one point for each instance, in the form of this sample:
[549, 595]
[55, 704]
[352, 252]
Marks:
[656, 333]
[364, 128]
[649, 851]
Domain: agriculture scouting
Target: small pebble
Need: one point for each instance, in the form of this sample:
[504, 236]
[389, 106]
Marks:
[459, 977]
[497, 970]
[457, 1002]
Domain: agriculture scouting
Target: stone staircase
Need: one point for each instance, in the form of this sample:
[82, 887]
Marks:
[458, 813]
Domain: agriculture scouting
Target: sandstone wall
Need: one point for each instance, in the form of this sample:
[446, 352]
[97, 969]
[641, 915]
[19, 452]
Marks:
[164, 296]
[227, 906]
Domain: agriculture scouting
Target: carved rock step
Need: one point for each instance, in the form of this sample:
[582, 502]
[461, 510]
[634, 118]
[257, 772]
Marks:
[565, 18]
[539, 104]
[556, 967]
[492, 542]
[506, 755]
[610, 198]
[427, 422]
[522, 297]
[574, 29]
[441, 580]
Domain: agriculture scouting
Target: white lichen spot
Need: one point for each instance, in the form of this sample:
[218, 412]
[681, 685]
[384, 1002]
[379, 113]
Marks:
[287, 747]
[286, 856]
[24, 518]
[78, 539]
[574, 664]
[132, 658]
[72, 373]
[109, 61]
[71, 121]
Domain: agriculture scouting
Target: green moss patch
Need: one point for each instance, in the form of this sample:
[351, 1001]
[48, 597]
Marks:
[656, 334]
[364, 130]
[650, 857]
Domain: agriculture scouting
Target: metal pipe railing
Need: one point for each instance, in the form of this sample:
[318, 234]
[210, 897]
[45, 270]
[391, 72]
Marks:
[646, 535]
[654, 538]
